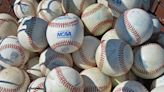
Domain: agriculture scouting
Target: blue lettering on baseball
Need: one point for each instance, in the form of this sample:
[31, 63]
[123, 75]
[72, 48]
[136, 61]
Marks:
[63, 34]
[117, 2]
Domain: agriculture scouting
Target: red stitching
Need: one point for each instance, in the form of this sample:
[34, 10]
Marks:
[82, 5]
[124, 89]
[41, 85]
[62, 25]
[94, 30]
[19, 48]
[2, 89]
[65, 82]
[8, 20]
[102, 55]
[84, 58]
[114, 8]
[99, 6]
[130, 28]
[66, 42]
[121, 57]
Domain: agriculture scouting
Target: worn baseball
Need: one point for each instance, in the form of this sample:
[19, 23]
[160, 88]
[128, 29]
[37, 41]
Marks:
[135, 26]
[8, 25]
[37, 85]
[130, 86]
[119, 79]
[50, 59]
[12, 53]
[96, 81]
[32, 34]
[111, 34]
[149, 61]
[76, 6]
[158, 82]
[158, 89]
[11, 79]
[64, 79]
[24, 86]
[114, 57]
[118, 7]
[97, 18]
[85, 57]
[24, 8]
[49, 9]
[68, 35]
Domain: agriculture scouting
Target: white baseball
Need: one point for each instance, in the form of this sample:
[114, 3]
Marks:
[160, 39]
[12, 53]
[96, 81]
[158, 89]
[8, 25]
[76, 6]
[149, 61]
[37, 85]
[97, 18]
[118, 7]
[50, 59]
[114, 57]
[119, 79]
[23, 8]
[68, 35]
[32, 34]
[135, 26]
[158, 82]
[49, 9]
[130, 86]
[33, 68]
[64, 79]
[85, 57]
[11, 79]
[24, 86]
[111, 34]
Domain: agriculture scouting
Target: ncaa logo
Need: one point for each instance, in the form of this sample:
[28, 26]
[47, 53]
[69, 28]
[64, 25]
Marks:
[64, 34]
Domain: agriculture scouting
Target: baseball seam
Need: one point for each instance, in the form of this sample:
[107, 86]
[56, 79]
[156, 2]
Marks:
[64, 82]
[8, 20]
[82, 6]
[38, 87]
[102, 55]
[130, 28]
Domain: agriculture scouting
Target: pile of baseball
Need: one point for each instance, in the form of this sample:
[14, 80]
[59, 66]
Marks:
[81, 46]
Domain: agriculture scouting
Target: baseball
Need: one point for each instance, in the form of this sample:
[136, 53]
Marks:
[158, 82]
[12, 53]
[118, 7]
[130, 86]
[32, 34]
[8, 25]
[96, 81]
[135, 26]
[23, 8]
[114, 57]
[68, 35]
[37, 85]
[76, 6]
[50, 59]
[111, 34]
[97, 18]
[85, 57]
[148, 61]
[160, 39]
[158, 89]
[49, 9]
[64, 79]
[11, 79]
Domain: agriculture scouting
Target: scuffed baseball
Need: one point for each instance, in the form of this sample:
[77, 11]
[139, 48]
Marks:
[97, 19]
[111, 34]
[130, 86]
[37, 85]
[8, 25]
[76, 6]
[49, 9]
[135, 26]
[12, 53]
[149, 61]
[114, 57]
[68, 35]
[50, 59]
[85, 57]
[158, 82]
[32, 34]
[64, 79]
[96, 81]
[24, 8]
[158, 89]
